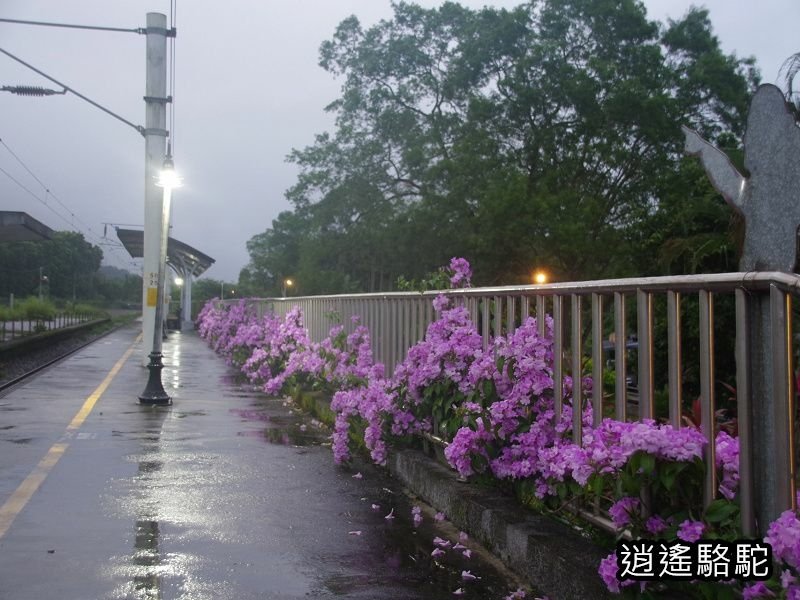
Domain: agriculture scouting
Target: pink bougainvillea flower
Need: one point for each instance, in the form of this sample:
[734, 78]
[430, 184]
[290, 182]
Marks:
[462, 536]
[442, 543]
[691, 531]
[437, 552]
[757, 590]
[467, 553]
[440, 516]
[358, 475]
[467, 576]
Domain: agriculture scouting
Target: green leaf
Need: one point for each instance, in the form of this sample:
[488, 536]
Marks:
[720, 510]
[647, 464]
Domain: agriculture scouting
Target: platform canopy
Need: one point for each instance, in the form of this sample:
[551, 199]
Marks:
[183, 259]
[21, 227]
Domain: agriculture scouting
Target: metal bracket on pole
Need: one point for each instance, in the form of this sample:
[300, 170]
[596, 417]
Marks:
[161, 31]
[158, 99]
[155, 131]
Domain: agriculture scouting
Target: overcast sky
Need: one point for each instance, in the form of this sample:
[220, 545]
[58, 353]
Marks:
[248, 90]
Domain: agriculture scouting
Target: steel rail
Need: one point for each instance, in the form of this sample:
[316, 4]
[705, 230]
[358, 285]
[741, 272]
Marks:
[6, 386]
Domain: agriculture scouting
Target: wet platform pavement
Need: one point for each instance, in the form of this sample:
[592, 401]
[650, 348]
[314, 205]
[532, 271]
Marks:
[227, 494]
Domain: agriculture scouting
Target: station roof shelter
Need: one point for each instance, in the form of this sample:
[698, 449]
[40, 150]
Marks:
[187, 262]
[18, 226]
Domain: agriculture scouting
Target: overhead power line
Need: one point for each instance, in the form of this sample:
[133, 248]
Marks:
[86, 230]
[138, 128]
[139, 30]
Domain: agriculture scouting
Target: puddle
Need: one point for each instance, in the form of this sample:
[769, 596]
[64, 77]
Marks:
[250, 414]
[150, 466]
[191, 413]
[397, 555]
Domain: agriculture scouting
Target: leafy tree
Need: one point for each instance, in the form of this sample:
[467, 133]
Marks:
[68, 262]
[547, 135]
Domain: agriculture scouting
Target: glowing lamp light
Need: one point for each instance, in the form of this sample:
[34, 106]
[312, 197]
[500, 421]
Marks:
[540, 277]
[168, 177]
[179, 281]
[289, 283]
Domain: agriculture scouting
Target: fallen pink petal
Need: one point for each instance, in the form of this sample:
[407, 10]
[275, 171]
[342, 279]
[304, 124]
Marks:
[390, 516]
[467, 553]
[467, 576]
[459, 592]
[442, 543]
[459, 546]
[440, 516]
[376, 507]
[353, 533]
[437, 552]
[462, 537]
[358, 475]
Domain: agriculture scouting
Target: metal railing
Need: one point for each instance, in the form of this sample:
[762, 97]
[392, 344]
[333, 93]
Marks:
[587, 313]
[13, 328]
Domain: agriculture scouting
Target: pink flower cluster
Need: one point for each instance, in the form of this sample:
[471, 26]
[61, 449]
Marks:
[496, 405]
[461, 273]
[272, 351]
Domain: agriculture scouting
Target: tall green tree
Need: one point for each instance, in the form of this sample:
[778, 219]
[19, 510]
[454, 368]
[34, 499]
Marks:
[547, 135]
[67, 260]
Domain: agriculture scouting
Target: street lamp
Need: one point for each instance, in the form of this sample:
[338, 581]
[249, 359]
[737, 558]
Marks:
[154, 393]
[540, 277]
[287, 283]
[42, 279]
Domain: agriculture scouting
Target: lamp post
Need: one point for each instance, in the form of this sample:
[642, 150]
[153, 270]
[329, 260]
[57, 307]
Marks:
[154, 132]
[154, 393]
[287, 283]
[181, 291]
[42, 279]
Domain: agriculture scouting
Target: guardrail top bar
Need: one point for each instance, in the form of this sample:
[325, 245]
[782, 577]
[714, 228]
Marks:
[753, 280]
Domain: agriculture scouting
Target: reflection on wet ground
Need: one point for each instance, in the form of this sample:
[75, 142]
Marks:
[20, 440]
[383, 553]
[400, 554]
[279, 424]
[226, 495]
[146, 558]
[147, 584]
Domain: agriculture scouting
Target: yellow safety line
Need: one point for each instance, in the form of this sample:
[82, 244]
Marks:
[21, 496]
[87, 407]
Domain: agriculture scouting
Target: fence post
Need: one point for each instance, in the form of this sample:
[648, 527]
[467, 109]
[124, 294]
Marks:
[770, 399]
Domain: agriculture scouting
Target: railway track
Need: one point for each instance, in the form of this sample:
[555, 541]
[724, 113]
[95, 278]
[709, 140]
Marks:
[48, 361]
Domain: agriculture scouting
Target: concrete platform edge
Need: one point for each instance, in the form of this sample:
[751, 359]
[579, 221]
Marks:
[554, 559]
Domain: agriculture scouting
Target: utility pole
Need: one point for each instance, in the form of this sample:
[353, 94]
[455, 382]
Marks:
[155, 135]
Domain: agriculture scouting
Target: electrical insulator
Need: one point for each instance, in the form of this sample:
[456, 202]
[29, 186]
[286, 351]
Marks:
[30, 90]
